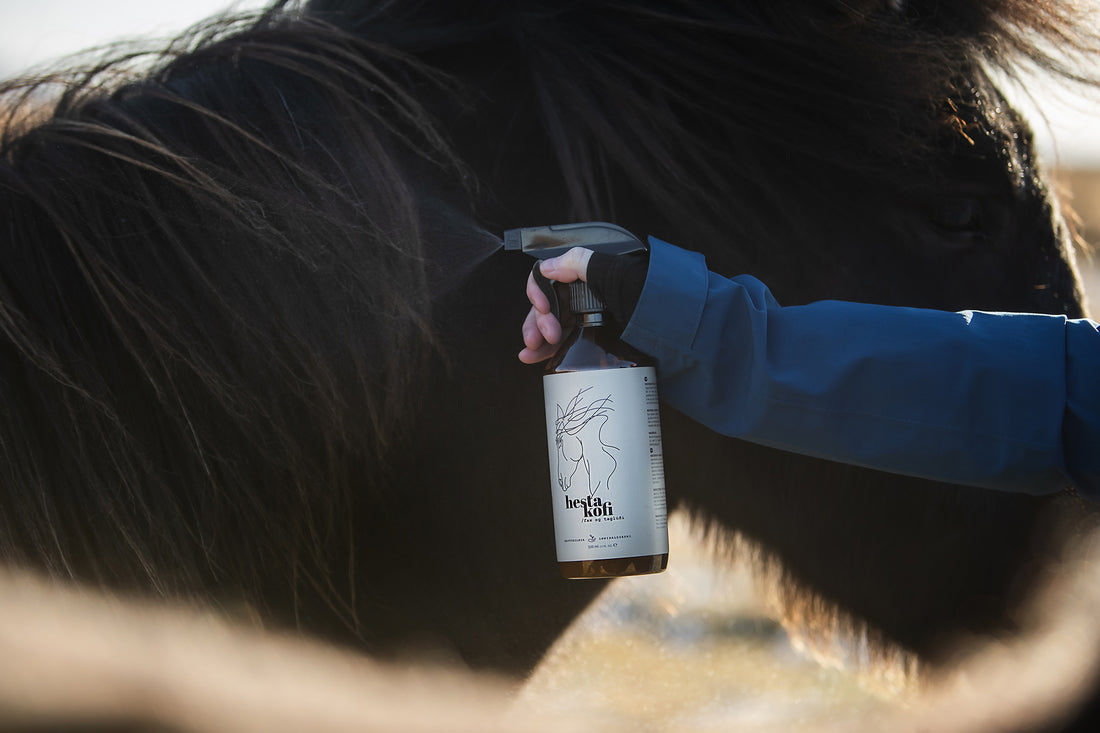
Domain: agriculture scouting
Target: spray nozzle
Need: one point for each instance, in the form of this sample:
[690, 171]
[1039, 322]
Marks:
[545, 242]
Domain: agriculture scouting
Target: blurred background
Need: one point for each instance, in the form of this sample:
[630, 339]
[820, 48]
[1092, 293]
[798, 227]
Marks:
[32, 33]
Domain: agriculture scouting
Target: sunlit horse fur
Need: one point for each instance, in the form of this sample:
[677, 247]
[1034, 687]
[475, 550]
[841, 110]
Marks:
[258, 344]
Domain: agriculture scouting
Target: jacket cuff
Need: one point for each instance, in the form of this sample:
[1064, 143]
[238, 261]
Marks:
[671, 304]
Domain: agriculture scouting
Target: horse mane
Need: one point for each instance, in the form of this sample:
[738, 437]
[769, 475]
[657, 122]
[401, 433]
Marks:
[213, 314]
[224, 249]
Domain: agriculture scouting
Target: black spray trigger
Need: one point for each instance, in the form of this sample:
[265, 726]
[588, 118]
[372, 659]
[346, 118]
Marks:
[545, 242]
[547, 286]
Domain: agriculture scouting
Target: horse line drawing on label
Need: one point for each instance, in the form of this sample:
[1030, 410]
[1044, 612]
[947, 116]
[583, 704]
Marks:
[581, 447]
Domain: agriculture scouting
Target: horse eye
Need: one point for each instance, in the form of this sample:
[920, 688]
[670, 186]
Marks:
[957, 214]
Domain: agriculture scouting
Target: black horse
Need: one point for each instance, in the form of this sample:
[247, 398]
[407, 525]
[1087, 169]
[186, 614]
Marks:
[259, 343]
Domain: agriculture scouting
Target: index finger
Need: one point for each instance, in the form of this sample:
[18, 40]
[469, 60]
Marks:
[536, 296]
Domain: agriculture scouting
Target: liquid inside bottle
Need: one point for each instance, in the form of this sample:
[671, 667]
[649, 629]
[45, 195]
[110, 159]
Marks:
[606, 462]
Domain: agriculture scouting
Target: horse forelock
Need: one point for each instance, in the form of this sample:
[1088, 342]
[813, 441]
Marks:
[635, 97]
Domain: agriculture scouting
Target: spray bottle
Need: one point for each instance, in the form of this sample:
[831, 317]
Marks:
[603, 424]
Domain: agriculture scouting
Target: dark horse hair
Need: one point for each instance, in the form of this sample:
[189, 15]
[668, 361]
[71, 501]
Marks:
[226, 310]
[227, 265]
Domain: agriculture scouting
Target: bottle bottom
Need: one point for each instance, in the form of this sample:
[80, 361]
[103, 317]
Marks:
[613, 567]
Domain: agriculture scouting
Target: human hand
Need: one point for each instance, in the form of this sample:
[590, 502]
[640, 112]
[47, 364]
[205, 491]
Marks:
[542, 332]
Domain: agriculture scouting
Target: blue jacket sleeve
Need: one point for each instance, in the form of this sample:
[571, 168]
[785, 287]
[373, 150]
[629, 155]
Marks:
[1004, 401]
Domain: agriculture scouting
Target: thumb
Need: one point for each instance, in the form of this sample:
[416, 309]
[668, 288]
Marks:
[566, 268]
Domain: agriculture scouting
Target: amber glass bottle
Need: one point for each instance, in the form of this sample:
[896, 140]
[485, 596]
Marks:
[604, 442]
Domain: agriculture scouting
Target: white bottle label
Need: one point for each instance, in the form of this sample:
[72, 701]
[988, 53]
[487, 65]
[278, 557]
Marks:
[607, 475]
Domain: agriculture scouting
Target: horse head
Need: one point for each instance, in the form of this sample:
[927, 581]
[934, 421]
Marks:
[253, 319]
